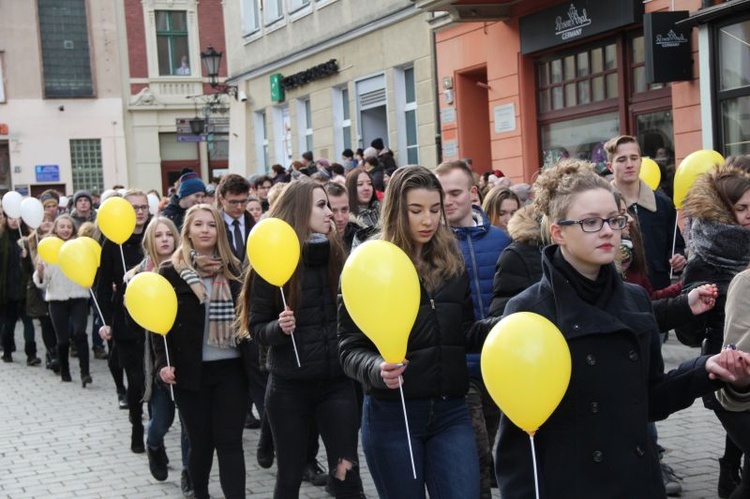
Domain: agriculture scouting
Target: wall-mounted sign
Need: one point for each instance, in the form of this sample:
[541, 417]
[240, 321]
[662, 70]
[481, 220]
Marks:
[448, 115]
[314, 73]
[505, 118]
[47, 173]
[277, 91]
[575, 20]
[450, 149]
[667, 53]
[3, 129]
[22, 189]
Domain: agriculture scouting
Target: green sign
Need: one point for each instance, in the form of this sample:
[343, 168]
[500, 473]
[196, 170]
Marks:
[277, 93]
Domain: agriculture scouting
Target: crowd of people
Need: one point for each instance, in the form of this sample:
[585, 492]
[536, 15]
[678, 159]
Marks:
[591, 254]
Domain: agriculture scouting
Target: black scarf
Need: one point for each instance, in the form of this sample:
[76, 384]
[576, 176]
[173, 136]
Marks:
[598, 292]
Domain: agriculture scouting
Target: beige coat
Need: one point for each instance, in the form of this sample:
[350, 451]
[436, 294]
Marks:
[737, 332]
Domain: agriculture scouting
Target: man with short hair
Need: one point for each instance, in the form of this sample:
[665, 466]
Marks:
[655, 213]
[338, 200]
[481, 244]
[308, 165]
[262, 185]
[192, 191]
[83, 209]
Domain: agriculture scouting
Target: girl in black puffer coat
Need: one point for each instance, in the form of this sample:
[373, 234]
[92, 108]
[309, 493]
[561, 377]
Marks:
[719, 207]
[317, 388]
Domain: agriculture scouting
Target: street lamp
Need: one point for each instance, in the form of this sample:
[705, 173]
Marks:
[211, 61]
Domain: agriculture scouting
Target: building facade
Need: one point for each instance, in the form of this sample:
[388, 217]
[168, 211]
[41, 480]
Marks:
[523, 84]
[327, 75]
[61, 112]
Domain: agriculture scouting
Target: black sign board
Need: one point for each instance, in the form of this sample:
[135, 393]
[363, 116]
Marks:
[668, 53]
[572, 21]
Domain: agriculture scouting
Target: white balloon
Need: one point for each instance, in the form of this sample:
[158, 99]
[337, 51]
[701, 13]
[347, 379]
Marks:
[153, 203]
[12, 204]
[121, 192]
[32, 212]
[63, 203]
[107, 194]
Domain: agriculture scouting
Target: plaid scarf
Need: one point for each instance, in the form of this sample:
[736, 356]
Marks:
[221, 312]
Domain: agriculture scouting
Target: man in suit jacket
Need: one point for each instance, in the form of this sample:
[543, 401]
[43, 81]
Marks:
[233, 193]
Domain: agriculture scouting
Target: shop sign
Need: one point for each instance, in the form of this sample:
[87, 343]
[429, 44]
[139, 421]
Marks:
[667, 52]
[579, 19]
[47, 173]
[505, 118]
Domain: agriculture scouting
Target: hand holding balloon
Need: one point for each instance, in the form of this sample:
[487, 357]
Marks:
[286, 321]
[166, 374]
[391, 373]
[105, 333]
[677, 262]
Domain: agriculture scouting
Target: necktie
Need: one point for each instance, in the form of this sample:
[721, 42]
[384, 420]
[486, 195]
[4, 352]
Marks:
[239, 241]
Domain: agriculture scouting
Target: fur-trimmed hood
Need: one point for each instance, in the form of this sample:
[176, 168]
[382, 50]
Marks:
[523, 226]
[704, 201]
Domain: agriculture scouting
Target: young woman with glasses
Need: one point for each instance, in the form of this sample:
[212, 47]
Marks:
[596, 443]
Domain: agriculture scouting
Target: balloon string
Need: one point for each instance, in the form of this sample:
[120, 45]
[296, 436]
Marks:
[674, 244]
[533, 458]
[166, 350]
[122, 255]
[101, 316]
[406, 422]
[294, 343]
[20, 234]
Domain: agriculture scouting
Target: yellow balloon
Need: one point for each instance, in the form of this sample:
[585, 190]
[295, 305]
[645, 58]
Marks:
[694, 164]
[78, 263]
[273, 250]
[151, 302]
[650, 172]
[381, 292]
[526, 368]
[49, 249]
[93, 246]
[116, 219]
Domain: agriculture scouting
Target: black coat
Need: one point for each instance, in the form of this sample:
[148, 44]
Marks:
[185, 339]
[315, 319]
[174, 212]
[596, 443]
[436, 349]
[110, 288]
[518, 267]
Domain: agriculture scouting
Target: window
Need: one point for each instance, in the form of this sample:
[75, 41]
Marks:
[66, 61]
[304, 120]
[86, 163]
[638, 67]
[249, 17]
[410, 112]
[297, 4]
[2, 79]
[342, 123]
[273, 10]
[172, 43]
[282, 135]
[261, 141]
[734, 87]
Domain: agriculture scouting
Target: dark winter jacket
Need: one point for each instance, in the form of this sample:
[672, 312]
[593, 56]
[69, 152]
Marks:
[185, 339]
[174, 212]
[436, 349]
[110, 288]
[520, 264]
[596, 443]
[481, 246]
[315, 319]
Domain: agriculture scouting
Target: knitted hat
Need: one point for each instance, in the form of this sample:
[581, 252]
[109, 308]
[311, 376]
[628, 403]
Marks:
[82, 194]
[370, 152]
[190, 184]
[377, 144]
[49, 196]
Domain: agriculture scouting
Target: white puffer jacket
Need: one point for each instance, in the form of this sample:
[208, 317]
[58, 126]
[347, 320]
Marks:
[58, 287]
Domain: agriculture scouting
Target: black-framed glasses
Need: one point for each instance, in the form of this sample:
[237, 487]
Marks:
[595, 224]
[140, 207]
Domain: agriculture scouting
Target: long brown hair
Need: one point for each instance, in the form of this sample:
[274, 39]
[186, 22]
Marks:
[294, 207]
[351, 185]
[638, 264]
[440, 258]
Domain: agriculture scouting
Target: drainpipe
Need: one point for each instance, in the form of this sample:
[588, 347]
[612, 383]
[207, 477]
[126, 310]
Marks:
[438, 132]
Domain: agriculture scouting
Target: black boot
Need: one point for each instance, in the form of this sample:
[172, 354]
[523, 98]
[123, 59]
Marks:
[64, 361]
[729, 477]
[83, 360]
[265, 452]
[136, 438]
[157, 463]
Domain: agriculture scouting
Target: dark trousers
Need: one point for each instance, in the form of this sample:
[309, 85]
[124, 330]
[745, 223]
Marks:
[485, 419]
[48, 337]
[71, 315]
[290, 406]
[115, 368]
[13, 312]
[737, 426]
[215, 418]
[130, 354]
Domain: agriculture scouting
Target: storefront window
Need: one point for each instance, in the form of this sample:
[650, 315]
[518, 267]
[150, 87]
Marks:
[734, 87]
[581, 138]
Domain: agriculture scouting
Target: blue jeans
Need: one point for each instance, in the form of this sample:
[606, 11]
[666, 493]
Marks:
[445, 453]
[162, 411]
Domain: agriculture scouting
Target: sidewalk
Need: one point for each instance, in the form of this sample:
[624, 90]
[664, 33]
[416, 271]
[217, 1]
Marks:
[60, 440]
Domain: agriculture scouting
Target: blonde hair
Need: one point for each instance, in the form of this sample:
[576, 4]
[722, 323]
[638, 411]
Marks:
[440, 258]
[149, 237]
[494, 200]
[232, 266]
[64, 216]
[87, 229]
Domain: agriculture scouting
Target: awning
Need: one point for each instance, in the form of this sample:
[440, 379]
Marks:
[714, 12]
